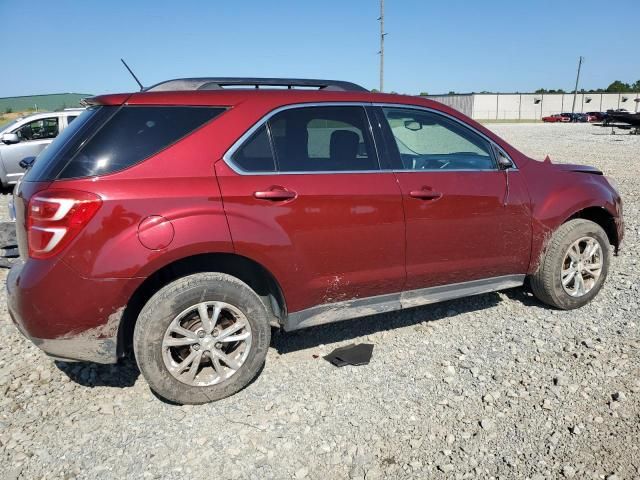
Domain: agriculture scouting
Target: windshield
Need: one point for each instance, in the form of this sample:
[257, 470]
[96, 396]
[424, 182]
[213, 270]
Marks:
[8, 125]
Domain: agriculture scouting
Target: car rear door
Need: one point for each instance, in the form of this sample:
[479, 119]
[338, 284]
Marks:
[464, 221]
[306, 198]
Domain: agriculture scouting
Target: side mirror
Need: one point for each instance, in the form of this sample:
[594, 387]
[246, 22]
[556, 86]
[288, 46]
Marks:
[504, 162]
[10, 138]
[26, 162]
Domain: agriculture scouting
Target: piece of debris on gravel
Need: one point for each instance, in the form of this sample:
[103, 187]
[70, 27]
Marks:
[496, 385]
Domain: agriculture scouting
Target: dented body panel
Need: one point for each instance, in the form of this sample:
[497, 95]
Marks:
[560, 192]
[67, 315]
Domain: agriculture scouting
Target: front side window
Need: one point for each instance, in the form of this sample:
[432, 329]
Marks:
[429, 141]
[41, 129]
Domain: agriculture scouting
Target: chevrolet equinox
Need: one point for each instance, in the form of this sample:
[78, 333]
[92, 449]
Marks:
[186, 220]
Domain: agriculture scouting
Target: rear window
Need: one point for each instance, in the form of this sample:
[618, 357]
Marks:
[106, 139]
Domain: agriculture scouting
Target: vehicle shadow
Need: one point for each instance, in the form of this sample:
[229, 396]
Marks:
[125, 373]
[288, 342]
[121, 375]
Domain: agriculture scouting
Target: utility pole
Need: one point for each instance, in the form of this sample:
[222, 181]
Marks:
[381, 52]
[575, 90]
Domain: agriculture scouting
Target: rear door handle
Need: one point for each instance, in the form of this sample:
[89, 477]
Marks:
[425, 194]
[275, 194]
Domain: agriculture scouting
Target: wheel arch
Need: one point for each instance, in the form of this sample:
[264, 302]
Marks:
[259, 279]
[602, 217]
[546, 222]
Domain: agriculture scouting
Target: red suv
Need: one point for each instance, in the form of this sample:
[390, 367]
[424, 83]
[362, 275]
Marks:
[188, 219]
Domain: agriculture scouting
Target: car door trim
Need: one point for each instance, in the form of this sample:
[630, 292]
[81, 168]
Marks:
[362, 307]
[228, 156]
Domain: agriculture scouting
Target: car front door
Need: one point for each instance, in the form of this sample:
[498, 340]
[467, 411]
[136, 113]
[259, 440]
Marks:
[466, 219]
[306, 198]
[34, 136]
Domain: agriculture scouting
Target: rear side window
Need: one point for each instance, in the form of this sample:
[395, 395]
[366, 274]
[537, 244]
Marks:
[310, 139]
[107, 139]
[321, 139]
[256, 154]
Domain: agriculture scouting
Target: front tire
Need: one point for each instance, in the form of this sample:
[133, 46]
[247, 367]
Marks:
[201, 338]
[574, 266]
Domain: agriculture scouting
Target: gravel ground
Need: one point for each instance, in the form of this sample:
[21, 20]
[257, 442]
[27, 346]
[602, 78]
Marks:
[494, 386]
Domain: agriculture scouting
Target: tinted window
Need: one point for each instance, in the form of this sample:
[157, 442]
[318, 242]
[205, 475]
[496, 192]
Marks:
[53, 158]
[70, 119]
[38, 129]
[428, 141]
[133, 134]
[256, 155]
[323, 139]
[107, 139]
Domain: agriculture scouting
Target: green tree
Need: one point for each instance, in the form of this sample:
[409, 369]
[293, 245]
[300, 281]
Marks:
[424, 94]
[636, 86]
[618, 86]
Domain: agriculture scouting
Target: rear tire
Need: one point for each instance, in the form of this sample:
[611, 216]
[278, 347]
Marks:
[174, 340]
[568, 276]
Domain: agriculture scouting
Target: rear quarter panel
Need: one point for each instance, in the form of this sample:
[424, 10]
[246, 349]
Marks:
[178, 184]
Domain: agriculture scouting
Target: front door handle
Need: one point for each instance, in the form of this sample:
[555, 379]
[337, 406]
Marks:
[275, 194]
[425, 194]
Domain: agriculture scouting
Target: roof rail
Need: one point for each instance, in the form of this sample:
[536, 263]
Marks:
[219, 83]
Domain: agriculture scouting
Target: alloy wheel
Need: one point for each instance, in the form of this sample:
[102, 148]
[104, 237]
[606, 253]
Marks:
[582, 266]
[206, 343]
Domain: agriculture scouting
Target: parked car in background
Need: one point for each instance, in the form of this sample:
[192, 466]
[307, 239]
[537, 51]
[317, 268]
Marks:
[569, 117]
[596, 116]
[580, 117]
[24, 138]
[557, 118]
[187, 220]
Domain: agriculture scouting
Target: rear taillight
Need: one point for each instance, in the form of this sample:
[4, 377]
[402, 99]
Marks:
[55, 217]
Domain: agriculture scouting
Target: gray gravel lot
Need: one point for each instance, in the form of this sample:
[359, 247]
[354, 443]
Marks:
[494, 386]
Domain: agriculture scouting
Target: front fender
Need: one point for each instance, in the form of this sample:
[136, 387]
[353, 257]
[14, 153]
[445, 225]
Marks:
[561, 195]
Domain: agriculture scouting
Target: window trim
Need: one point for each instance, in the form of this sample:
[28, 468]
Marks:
[376, 135]
[228, 156]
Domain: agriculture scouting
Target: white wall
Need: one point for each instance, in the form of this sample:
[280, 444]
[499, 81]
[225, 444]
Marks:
[515, 106]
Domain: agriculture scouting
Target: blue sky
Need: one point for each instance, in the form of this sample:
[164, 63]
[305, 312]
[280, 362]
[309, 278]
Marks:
[432, 46]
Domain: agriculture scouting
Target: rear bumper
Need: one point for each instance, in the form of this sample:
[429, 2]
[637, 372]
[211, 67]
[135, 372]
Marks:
[65, 315]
